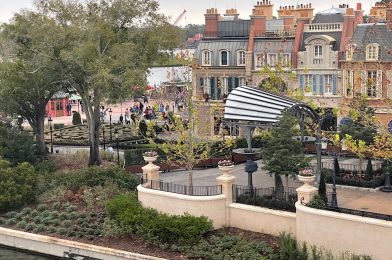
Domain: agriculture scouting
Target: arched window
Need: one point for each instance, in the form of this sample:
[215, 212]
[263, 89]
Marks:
[372, 51]
[350, 51]
[318, 51]
[206, 57]
[224, 58]
[241, 58]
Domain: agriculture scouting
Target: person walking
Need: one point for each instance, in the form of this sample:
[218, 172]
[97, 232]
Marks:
[126, 117]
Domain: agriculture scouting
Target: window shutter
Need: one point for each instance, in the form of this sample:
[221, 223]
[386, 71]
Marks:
[344, 81]
[379, 93]
[314, 84]
[236, 82]
[301, 82]
[363, 82]
[206, 85]
[212, 87]
[322, 80]
[389, 88]
[230, 84]
[334, 84]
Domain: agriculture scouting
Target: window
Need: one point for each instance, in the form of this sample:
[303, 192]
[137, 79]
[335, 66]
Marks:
[371, 84]
[224, 58]
[328, 84]
[318, 51]
[272, 59]
[350, 51]
[242, 81]
[206, 85]
[308, 84]
[372, 51]
[348, 77]
[206, 58]
[59, 105]
[259, 60]
[285, 60]
[241, 58]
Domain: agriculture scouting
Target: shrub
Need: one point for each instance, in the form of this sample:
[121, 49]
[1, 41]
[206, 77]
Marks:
[17, 185]
[11, 221]
[2, 220]
[29, 227]
[37, 220]
[322, 192]
[79, 234]
[11, 214]
[58, 126]
[45, 213]
[41, 207]
[71, 233]
[369, 174]
[71, 208]
[45, 166]
[57, 206]
[26, 211]
[67, 223]
[269, 202]
[63, 216]
[22, 224]
[41, 228]
[46, 221]
[73, 215]
[55, 222]
[34, 213]
[230, 247]
[156, 227]
[27, 218]
[317, 202]
[76, 119]
[18, 216]
[54, 214]
[62, 231]
[52, 229]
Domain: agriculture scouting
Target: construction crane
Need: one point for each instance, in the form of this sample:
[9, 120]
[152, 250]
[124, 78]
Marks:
[179, 18]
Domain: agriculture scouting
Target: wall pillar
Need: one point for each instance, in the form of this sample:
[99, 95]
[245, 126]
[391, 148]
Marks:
[306, 191]
[227, 180]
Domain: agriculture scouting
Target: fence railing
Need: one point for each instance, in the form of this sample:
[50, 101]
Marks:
[266, 197]
[183, 189]
[355, 212]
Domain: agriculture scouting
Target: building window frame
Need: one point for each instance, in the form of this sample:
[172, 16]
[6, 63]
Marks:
[259, 60]
[328, 84]
[372, 51]
[206, 58]
[241, 58]
[221, 58]
[272, 59]
[318, 51]
[348, 82]
[242, 81]
[350, 49]
[285, 60]
[308, 84]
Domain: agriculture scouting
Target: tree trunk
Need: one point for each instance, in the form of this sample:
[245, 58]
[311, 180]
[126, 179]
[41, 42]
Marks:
[190, 180]
[93, 132]
[278, 184]
[40, 135]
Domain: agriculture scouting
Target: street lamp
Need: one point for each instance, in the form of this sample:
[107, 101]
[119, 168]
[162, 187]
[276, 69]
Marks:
[110, 124]
[118, 153]
[51, 133]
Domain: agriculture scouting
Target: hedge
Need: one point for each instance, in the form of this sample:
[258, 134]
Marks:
[374, 183]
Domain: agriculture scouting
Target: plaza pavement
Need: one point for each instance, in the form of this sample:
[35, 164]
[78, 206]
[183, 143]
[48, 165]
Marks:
[379, 202]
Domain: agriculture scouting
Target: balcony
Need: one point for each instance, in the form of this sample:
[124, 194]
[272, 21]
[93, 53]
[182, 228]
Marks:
[323, 27]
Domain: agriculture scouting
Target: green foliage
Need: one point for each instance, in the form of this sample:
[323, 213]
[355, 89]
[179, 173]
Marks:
[58, 126]
[322, 191]
[52, 229]
[41, 228]
[67, 223]
[154, 226]
[41, 208]
[17, 185]
[317, 202]
[11, 214]
[2, 220]
[17, 146]
[45, 166]
[11, 221]
[143, 128]
[369, 173]
[45, 213]
[76, 119]
[26, 211]
[22, 224]
[282, 154]
[29, 227]
[230, 247]
[278, 203]
[62, 231]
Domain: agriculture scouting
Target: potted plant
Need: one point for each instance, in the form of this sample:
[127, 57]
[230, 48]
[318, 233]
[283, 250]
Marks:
[225, 166]
[150, 156]
[306, 175]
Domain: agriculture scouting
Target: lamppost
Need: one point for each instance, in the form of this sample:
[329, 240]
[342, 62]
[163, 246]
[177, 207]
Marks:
[51, 133]
[335, 154]
[110, 124]
[118, 153]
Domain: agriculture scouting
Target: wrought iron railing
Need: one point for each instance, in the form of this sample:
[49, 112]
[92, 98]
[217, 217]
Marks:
[266, 197]
[355, 212]
[183, 189]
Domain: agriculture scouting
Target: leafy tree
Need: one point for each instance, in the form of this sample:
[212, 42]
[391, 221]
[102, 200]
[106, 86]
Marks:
[361, 125]
[192, 29]
[357, 147]
[29, 74]
[282, 154]
[109, 46]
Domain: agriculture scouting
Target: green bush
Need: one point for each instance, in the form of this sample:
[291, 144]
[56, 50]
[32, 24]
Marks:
[322, 192]
[11, 221]
[52, 229]
[41, 207]
[76, 119]
[67, 223]
[63, 216]
[18, 216]
[11, 214]
[376, 182]
[34, 213]
[55, 222]
[230, 247]
[45, 213]
[54, 215]
[2, 220]
[317, 202]
[37, 220]
[17, 185]
[26, 211]
[41, 228]
[22, 224]
[154, 226]
[62, 231]
[29, 227]
[269, 202]
[369, 173]
[58, 126]
[17, 146]
[27, 218]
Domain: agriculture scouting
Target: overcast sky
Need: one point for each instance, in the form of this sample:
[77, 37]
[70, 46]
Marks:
[196, 8]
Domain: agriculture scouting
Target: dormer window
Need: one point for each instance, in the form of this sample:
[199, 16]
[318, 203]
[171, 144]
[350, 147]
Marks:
[241, 58]
[206, 56]
[224, 58]
[372, 51]
[350, 51]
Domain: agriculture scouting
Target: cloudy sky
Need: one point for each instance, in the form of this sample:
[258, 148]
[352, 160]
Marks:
[196, 8]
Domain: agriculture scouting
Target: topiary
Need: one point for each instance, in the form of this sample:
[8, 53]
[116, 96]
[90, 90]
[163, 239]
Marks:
[369, 174]
[322, 192]
[76, 119]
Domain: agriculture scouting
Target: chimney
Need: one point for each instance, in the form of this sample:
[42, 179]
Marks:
[263, 8]
[232, 13]
[358, 14]
[349, 25]
[389, 16]
[211, 22]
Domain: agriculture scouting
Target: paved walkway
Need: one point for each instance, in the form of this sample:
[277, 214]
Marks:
[379, 201]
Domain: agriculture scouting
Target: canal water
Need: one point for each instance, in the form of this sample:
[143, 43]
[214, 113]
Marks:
[9, 254]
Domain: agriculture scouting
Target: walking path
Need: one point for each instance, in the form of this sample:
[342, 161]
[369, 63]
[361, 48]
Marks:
[379, 202]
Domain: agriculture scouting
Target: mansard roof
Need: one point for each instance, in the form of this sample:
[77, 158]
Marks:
[334, 35]
[231, 45]
[366, 34]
